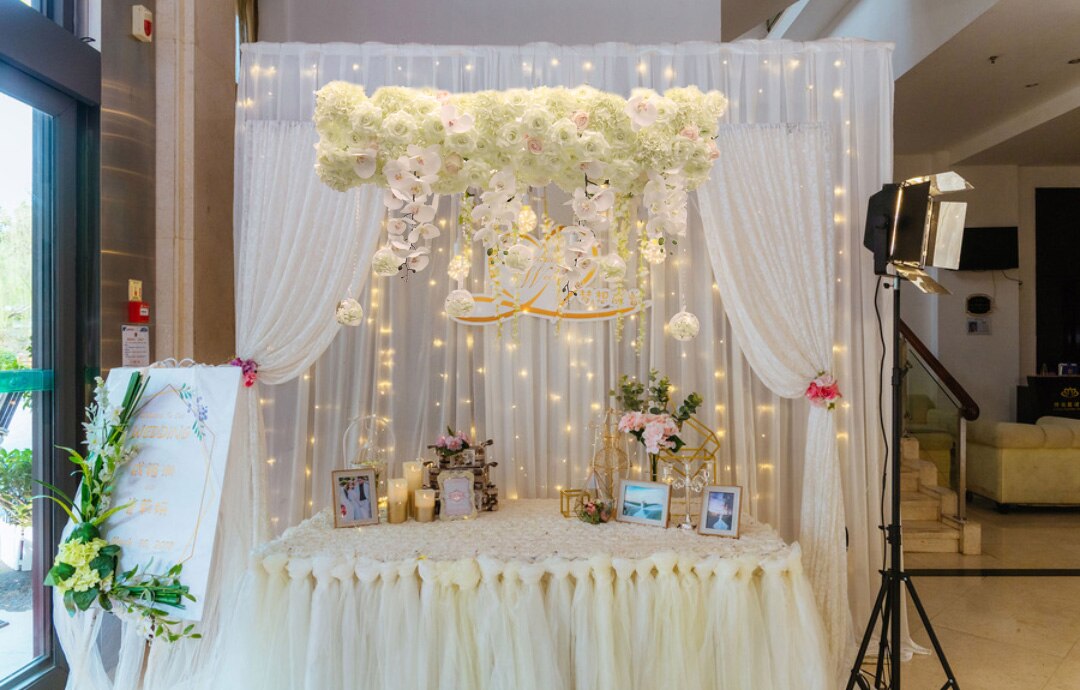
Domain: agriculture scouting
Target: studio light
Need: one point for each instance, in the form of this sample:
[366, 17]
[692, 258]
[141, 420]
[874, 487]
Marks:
[909, 227]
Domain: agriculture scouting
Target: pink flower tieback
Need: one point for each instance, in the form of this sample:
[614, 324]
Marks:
[823, 391]
[250, 369]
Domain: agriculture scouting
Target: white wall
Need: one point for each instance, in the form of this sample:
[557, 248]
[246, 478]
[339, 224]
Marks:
[989, 367]
[485, 22]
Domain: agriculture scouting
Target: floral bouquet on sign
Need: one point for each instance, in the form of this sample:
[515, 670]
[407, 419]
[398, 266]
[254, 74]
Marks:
[85, 571]
[648, 416]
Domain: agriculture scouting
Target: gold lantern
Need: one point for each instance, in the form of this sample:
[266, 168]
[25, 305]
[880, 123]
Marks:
[610, 460]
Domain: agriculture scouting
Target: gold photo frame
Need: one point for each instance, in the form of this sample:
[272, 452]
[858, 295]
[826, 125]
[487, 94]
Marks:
[721, 507]
[643, 503]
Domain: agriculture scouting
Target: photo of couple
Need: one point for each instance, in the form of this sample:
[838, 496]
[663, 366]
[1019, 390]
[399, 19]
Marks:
[720, 511]
[355, 499]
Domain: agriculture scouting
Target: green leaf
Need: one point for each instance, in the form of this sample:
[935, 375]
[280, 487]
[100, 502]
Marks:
[58, 573]
[103, 600]
[69, 602]
[112, 511]
[84, 599]
[110, 550]
[104, 565]
[196, 636]
[85, 532]
[188, 629]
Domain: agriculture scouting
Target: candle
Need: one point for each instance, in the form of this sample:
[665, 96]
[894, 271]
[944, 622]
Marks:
[399, 499]
[425, 504]
[413, 477]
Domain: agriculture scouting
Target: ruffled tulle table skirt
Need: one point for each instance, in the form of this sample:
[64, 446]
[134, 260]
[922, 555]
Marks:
[525, 599]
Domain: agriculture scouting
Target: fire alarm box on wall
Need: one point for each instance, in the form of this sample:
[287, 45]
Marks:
[142, 23]
[138, 311]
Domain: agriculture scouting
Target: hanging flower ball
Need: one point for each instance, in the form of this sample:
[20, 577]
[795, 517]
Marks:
[519, 257]
[386, 263]
[349, 312]
[612, 268]
[684, 326]
[459, 303]
[654, 251]
[459, 267]
[526, 219]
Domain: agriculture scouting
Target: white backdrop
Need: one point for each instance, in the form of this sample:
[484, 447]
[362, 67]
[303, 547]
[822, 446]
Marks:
[536, 395]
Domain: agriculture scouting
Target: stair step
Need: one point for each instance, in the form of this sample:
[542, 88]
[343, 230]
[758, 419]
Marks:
[915, 505]
[909, 479]
[945, 496]
[909, 448]
[925, 536]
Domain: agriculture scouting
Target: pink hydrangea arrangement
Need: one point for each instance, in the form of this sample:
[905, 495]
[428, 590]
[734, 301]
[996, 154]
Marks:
[823, 391]
[655, 431]
[648, 414]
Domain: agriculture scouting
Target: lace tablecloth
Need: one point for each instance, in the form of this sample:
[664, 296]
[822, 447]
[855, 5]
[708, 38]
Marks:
[525, 599]
[524, 530]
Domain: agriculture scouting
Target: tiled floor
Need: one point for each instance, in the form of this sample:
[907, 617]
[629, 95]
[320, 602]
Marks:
[1004, 633]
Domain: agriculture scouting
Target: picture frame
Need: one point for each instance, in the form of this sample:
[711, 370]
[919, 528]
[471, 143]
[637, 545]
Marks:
[355, 497]
[721, 507]
[457, 498]
[643, 503]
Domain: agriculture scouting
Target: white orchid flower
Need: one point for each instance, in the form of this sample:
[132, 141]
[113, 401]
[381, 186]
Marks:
[418, 260]
[425, 161]
[390, 201]
[482, 215]
[504, 182]
[454, 121]
[584, 208]
[426, 231]
[396, 226]
[364, 161]
[642, 111]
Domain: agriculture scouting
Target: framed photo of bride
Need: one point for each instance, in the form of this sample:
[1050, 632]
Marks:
[356, 497]
[720, 508]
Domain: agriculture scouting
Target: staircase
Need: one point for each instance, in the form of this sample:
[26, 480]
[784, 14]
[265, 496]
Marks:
[927, 511]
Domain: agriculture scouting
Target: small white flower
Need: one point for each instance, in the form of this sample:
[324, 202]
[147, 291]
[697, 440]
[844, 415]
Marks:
[459, 303]
[684, 326]
[424, 161]
[396, 226]
[349, 312]
[418, 259]
[519, 257]
[364, 160]
[642, 111]
[454, 121]
[612, 268]
[386, 263]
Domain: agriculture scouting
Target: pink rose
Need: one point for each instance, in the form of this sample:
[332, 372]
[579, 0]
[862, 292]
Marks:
[714, 152]
[534, 145]
[580, 119]
[453, 163]
[690, 132]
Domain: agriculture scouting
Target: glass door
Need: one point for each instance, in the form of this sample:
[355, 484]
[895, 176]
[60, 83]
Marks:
[26, 375]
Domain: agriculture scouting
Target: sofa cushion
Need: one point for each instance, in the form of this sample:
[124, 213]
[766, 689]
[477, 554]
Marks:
[1073, 425]
[1008, 434]
[1057, 436]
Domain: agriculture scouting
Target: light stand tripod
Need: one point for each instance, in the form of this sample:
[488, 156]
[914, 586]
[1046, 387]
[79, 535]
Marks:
[893, 577]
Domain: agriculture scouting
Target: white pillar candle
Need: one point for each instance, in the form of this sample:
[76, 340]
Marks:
[398, 492]
[414, 472]
[425, 504]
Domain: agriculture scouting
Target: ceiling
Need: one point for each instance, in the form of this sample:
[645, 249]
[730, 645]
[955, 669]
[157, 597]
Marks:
[739, 16]
[955, 100]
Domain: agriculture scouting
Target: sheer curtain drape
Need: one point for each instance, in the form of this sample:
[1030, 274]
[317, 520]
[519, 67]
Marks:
[768, 222]
[409, 362]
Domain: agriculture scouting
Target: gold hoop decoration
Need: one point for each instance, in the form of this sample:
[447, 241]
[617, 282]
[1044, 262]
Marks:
[701, 446]
[610, 461]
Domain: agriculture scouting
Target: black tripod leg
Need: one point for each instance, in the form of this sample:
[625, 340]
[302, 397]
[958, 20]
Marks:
[861, 656]
[950, 678]
[883, 644]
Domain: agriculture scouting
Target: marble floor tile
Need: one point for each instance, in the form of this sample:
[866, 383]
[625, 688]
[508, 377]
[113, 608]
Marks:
[979, 664]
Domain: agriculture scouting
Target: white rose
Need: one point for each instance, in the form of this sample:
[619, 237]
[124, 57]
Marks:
[399, 128]
[459, 303]
[684, 326]
[349, 312]
[536, 121]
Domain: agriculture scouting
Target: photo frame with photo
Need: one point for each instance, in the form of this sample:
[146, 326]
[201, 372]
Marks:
[457, 499]
[355, 497]
[721, 507]
[643, 503]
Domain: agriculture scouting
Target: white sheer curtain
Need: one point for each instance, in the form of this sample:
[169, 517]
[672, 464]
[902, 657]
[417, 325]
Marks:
[768, 223]
[409, 362]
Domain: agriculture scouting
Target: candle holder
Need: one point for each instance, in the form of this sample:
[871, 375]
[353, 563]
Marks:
[687, 482]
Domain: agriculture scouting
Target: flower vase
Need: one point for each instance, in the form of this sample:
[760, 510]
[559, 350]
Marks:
[654, 465]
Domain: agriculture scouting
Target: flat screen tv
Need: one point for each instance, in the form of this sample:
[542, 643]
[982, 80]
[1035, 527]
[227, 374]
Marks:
[989, 249]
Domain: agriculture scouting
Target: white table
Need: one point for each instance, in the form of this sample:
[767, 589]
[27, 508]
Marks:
[524, 598]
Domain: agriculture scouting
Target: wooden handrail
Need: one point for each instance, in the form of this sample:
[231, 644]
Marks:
[969, 409]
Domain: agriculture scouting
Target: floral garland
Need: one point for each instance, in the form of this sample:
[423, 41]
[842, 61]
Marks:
[596, 146]
[84, 571]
